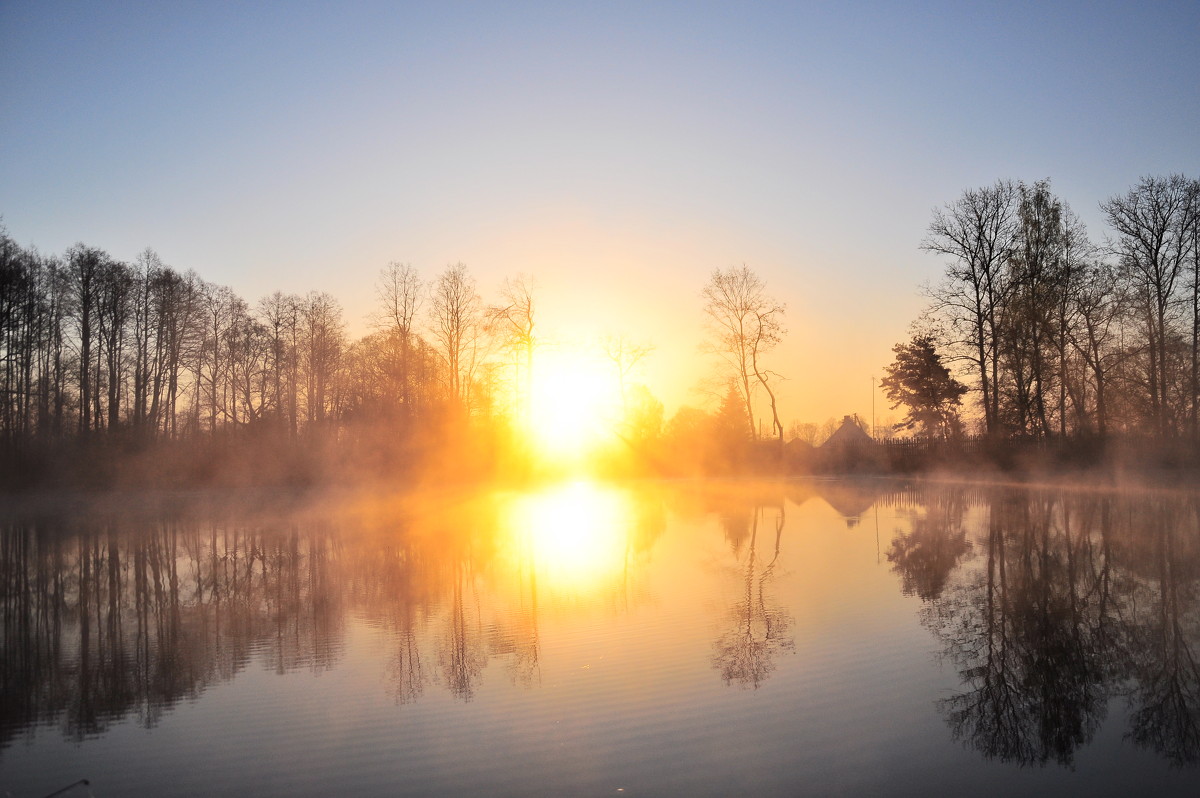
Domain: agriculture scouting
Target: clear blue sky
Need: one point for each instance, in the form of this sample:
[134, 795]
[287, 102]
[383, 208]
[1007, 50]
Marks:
[619, 152]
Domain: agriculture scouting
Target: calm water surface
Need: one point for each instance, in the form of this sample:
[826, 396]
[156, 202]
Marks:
[801, 638]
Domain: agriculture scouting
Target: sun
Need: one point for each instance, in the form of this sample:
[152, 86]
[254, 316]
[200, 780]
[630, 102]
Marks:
[574, 402]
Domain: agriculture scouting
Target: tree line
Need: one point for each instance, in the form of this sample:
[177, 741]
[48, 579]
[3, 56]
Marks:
[1059, 336]
[1055, 337]
[95, 350]
[96, 353]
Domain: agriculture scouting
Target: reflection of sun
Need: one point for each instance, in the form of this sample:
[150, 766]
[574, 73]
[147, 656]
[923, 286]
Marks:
[575, 533]
[574, 399]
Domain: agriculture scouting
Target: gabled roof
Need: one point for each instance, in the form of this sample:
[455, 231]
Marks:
[849, 435]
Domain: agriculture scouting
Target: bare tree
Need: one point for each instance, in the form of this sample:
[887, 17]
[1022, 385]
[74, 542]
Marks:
[250, 349]
[1096, 308]
[1154, 222]
[400, 293]
[84, 265]
[177, 306]
[1075, 258]
[977, 233]
[745, 324]
[512, 322]
[212, 367]
[147, 338]
[22, 319]
[323, 342]
[116, 294]
[280, 314]
[1034, 283]
[625, 354]
[455, 315]
[1194, 249]
[53, 367]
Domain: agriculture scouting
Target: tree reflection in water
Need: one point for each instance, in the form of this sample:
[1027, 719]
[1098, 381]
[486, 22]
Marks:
[745, 653]
[936, 541]
[1049, 604]
[128, 615]
[390, 585]
[1166, 692]
[462, 653]
[1076, 598]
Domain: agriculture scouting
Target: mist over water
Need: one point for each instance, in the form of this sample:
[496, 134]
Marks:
[689, 637]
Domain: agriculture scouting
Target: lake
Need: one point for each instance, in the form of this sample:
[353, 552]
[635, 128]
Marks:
[821, 637]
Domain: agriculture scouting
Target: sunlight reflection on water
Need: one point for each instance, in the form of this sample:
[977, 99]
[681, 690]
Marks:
[575, 534]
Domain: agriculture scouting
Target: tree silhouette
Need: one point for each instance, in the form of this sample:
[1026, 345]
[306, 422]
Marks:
[976, 232]
[400, 294]
[1155, 224]
[456, 315]
[746, 324]
[512, 322]
[920, 381]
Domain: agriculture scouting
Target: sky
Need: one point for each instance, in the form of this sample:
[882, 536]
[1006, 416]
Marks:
[616, 152]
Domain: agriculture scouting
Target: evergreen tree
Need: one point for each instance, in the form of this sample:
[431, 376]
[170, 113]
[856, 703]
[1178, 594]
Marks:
[921, 382]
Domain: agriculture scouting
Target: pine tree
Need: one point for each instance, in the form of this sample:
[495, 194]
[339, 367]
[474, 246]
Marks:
[921, 382]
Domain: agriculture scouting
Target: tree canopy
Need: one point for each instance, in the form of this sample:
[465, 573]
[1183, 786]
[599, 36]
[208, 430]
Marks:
[920, 381]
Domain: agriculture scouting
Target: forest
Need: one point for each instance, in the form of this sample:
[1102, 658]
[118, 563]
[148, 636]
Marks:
[1063, 337]
[115, 372]
[1060, 339]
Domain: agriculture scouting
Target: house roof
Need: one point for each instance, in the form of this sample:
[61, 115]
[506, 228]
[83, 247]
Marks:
[849, 434]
